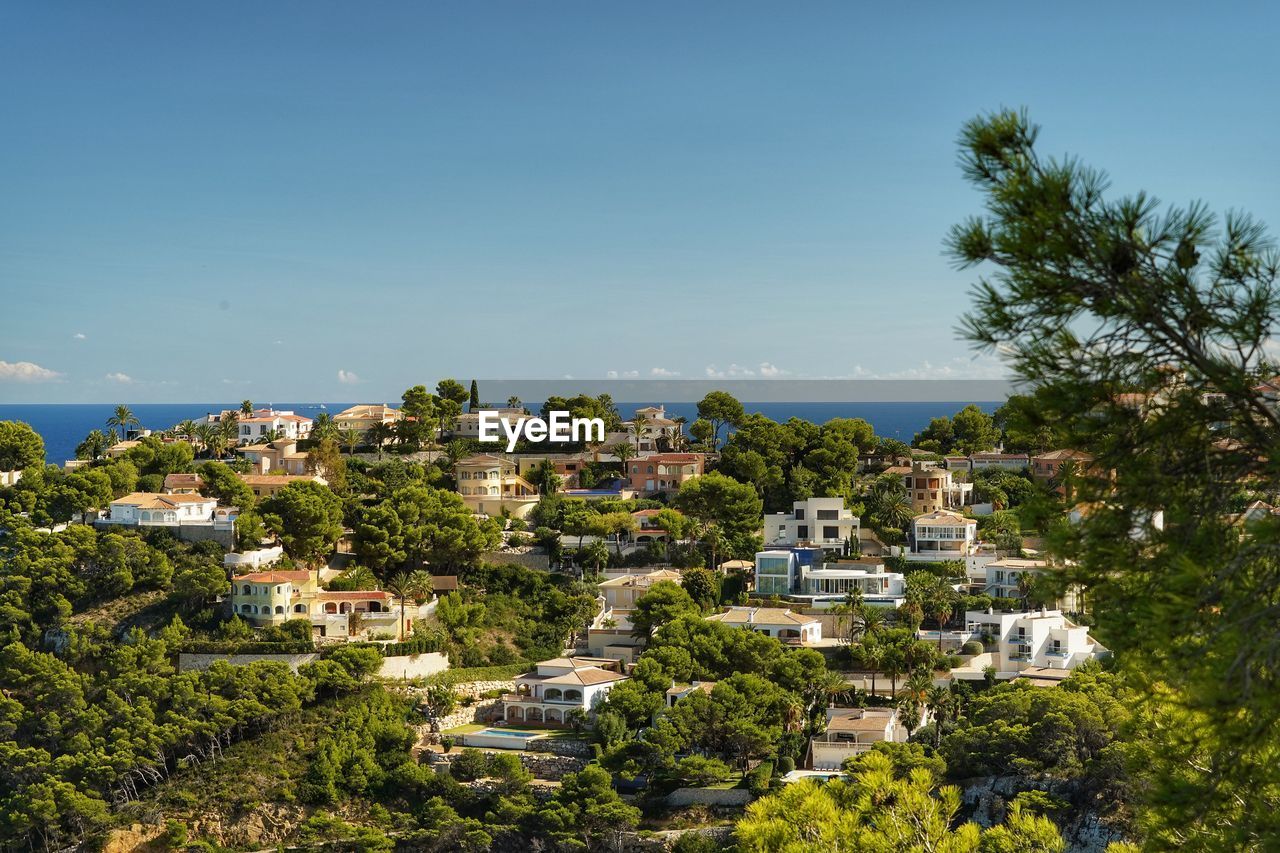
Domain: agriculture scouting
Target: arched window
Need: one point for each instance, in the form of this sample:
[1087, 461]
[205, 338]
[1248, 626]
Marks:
[245, 608]
[248, 590]
[279, 609]
[650, 471]
[299, 608]
[573, 695]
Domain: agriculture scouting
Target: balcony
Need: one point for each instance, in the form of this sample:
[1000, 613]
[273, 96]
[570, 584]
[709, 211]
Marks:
[525, 699]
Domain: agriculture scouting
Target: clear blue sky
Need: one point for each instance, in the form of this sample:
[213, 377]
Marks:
[224, 200]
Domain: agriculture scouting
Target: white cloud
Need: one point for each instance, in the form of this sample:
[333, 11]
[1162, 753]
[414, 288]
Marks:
[79, 336]
[737, 371]
[346, 377]
[26, 371]
[119, 378]
[626, 374]
[662, 372]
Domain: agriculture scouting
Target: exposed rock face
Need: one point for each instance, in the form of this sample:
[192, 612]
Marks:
[268, 824]
[986, 800]
[137, 838]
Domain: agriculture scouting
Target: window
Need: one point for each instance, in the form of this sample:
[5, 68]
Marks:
[802, 531]
[799, 514]
[830, 531]
[828, 514]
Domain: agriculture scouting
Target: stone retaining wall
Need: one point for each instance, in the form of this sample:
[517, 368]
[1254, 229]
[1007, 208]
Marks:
[414, 666]
[188, 662]
[541, 765]
[709, 797]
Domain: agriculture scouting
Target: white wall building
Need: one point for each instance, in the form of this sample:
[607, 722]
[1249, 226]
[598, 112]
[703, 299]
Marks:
[816, 521]
[264, 422]
[152, 509]
[467, 424]
[853, 731]
[773, 622]
[558, 686]
[1044, 639]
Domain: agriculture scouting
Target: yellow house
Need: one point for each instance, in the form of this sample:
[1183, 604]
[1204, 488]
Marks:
[266, 485]
[365, 415]
[281, 455]
[489, 485]
[274, 597]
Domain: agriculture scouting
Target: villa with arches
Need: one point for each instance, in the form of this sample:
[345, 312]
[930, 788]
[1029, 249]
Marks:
[558, 686]
[152, 509]
[274, 597]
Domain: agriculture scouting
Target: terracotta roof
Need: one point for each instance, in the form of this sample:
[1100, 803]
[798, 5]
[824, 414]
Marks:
[484, 459]
[761, 616]
[944, 516]
[183, 481]
[859, 720]
[352, 595]
[155, 500]
[271, 479]
[649, 579]
[1054, 455]
[274, 577]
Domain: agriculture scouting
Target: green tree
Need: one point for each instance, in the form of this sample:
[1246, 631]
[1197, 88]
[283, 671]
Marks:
[664, 602]
[1150, 387]
[307, 518]
[20, 446]
[405, 585]
[720, 409]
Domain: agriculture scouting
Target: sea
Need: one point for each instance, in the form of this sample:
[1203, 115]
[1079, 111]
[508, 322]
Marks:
[63, 426]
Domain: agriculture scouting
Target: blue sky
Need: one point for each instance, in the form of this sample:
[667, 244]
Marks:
[336, 200]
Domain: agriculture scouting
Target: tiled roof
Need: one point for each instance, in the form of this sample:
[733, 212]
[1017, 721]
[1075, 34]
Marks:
[761, 616]
[154, 500]
[274, 577]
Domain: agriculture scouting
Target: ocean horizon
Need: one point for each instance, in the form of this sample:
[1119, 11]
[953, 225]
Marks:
[64, 425]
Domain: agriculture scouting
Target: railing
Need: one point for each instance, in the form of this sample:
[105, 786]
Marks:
[523, 699]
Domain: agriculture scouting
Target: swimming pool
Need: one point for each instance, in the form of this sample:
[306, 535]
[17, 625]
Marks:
[497, 738]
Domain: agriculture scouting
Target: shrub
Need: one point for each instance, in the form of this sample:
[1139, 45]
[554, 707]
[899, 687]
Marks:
[698, 770]
[446, 744]
[758, 779]
[470, 765]
[973, 647]
[785, 765]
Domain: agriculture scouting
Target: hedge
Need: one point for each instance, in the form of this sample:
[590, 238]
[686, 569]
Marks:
[481, 673]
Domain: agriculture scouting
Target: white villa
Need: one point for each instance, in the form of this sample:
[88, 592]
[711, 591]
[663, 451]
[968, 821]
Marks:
[153, 509]
[266, 421]
[942, 535]
[1008, 576]
[280, 455]
[791, 628]
[853, 731]
[1014, 642]
[467, 424]
[818, 584]
[558, 686]
[816, 521]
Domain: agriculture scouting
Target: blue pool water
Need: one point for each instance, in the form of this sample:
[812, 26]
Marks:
[507, 733]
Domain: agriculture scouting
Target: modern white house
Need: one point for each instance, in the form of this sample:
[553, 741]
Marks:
[815, 521]
[1008, 577]
[833, 582]
[791, 574]
[557, 686]
[853, 731]
[942, 535]
[1013, 642]
[1006, 461]
[776, 622]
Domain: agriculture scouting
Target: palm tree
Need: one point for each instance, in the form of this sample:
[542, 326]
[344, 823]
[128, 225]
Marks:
[513, 402]
[187, 429]
[893, 667]
[93, 446]
[323, 426]
[351, 438]
[122, 418]
[209, 437]
[637, 429]
[939, 608]
[1064, 479]
[623, 451]
[939, 701]
[246, 408]
[229, 427]
[895, 510]
[406, 585]
[361, 577]
[872, 658]
[873, 620]
[379, 434]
